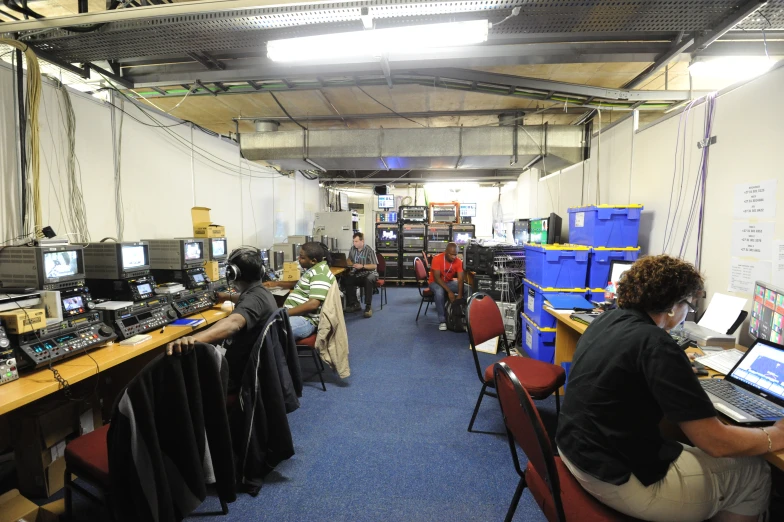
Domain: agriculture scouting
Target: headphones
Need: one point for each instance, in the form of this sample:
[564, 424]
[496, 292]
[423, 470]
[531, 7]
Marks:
[233, 272]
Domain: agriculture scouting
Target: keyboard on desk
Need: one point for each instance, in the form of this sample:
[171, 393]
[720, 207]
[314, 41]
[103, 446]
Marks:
[742, 400]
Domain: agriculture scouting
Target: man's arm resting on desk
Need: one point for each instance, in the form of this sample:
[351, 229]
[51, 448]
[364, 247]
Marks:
[311, 305]
[221, 330]
[280, 284]
[722, 440]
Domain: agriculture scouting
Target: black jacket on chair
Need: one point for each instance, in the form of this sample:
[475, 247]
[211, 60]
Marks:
[169, 437]
[270, 386]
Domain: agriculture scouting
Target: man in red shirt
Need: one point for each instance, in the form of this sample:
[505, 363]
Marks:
[446, 280]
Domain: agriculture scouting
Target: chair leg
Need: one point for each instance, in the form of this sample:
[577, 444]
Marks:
[427, 307]
[476, 408]
[420, 309]
[515, 500]
[224, 507]
[318, 368]
[557, 401]
[386, 298]
[68, 496]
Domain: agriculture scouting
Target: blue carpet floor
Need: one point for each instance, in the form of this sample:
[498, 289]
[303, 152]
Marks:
[390, 442]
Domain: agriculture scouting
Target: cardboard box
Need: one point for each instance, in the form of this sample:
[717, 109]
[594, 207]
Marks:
[203, 226]
[16, 508]
[39, 445]
[212, 269]
[23, 320]
[291, 271]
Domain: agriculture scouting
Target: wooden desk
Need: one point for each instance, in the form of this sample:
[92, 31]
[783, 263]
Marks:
[41, 383]
[337, 270]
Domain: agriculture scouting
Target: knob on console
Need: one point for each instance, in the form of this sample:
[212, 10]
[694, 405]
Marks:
[105, 331]
[172, 314]
[4, 343]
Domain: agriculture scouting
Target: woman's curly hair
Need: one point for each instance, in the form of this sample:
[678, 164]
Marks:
[656, 283]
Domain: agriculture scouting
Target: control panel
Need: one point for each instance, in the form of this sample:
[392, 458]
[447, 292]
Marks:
[413, 237]
[133, 289]
[192, 278]
[140, 317]
[192, 301]
[76, 301]
[413, 214]
[62, 340]
[8, 369]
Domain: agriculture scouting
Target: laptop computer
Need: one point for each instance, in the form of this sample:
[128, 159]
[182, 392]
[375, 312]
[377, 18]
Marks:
[753, 392]
[339, 260]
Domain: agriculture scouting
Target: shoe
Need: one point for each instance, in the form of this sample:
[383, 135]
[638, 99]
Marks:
[368, 312]
[350, 309]
[442, 327]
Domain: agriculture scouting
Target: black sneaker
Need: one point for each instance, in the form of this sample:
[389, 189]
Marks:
[350, 309]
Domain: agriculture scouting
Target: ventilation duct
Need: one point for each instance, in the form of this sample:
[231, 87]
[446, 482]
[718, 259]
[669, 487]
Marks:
[507, 147]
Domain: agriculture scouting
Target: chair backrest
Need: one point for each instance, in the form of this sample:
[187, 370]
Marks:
[381, 268]
[419, 270]
[484, 323]
[524, 426]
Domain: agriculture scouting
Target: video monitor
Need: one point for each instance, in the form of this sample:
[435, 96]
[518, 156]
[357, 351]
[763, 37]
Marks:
[193, 250]
[386, 201]
[61, 264]
[546, 231]
[767, 313]
[462, 238]
[218, 249]
[134, 256]
[468, 210]
[388, 235]
[144, 288]
[520, 231]
[73, 303]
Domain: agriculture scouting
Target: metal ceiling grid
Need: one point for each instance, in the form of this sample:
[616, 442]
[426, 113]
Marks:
[251, 28]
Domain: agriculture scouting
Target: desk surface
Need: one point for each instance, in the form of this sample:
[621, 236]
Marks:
[40, 383]
[777, 458]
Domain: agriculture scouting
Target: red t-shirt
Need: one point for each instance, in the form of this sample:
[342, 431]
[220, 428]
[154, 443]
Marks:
[448, 270]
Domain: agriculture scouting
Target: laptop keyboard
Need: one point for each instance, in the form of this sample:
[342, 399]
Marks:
[743, 401]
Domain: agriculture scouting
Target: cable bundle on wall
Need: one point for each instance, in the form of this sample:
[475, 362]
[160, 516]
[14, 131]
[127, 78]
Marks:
[32, 137]
[78, 209]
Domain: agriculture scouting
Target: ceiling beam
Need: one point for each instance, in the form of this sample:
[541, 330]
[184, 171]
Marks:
[384, 115]
[726, 25]
[679, 45]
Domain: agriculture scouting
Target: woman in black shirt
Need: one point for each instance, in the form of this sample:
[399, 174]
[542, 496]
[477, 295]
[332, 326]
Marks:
[627, 374]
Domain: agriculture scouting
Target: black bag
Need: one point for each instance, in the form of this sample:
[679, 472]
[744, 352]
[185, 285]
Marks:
[456, 315]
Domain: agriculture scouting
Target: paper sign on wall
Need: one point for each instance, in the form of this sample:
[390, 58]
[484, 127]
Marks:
[752, 239]
[777, 278]
[756, 200]
[744, 273]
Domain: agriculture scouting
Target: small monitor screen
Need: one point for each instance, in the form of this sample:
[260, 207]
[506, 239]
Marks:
[73, 303]
[134, 256]
[520, 231]
[618, 269]
[198, 278]
[144, 288]
[539, 229]
[218, 247]
[763, 368]
[767, 313]
[193, 251]
[467, 209]
[388, 234]
[387, 201]
[462, 238]
[61, 264]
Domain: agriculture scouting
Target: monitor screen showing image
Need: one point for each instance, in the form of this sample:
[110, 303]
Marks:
[144, 288]
[73, 303]
[193, 251]
[218, 247]
[462, 238]
[388, 235]
[198, 278]
[467, 209]
[539, 230]
[767, 313]
[386, 201]
[617, 269]
[134, 256]
[61, 264]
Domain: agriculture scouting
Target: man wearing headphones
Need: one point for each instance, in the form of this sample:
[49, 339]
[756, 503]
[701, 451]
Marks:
[239, 331]
[307, 294]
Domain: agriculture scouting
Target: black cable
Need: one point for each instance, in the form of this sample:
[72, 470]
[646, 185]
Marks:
[286, 112]
[388, 108]
[13, 6]
[7, 15]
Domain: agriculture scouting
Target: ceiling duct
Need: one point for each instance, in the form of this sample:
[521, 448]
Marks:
[266, 125]
[559, 146]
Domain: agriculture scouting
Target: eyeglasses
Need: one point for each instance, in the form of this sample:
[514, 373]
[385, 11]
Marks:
[690, 305]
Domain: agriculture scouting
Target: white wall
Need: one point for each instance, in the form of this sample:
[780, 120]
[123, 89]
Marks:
[165, 172]
[637, 167]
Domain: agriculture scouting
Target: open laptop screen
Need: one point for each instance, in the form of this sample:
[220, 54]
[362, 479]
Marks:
[762, 368]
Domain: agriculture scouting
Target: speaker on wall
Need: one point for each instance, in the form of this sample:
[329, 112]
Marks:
[380, 190]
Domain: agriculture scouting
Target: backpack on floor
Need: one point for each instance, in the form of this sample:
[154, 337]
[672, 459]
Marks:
[455, 312]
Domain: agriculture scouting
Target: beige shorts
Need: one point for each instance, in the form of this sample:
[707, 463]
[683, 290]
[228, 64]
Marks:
[696, 487]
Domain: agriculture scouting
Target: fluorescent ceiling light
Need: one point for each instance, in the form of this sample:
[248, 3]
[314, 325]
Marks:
[378, 42]
[736, 68]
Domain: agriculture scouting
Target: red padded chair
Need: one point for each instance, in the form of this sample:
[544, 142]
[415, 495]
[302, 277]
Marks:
[306, 348]
[424, 291]
[552, 485]
[541, 379]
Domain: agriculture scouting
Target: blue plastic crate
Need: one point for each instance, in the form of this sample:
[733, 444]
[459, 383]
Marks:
[605, 226]
[557, 266]
[601, 259]
[533, 302]
[538, 343]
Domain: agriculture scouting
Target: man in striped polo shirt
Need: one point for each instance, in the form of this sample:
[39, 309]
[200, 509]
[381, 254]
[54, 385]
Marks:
[307, 294]
[363, 272]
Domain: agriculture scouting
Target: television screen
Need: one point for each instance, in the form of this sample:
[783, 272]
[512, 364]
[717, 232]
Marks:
[467, 209]
[617, 270]
[61, 264]
[462, 238]
[539, 230]
[134, 256]
[520, 231]
[218, 247]
[767, 313]
[73, 303]
[144, 288]
[388, 234]
[193, 251]
[386, 201]
[199, 278]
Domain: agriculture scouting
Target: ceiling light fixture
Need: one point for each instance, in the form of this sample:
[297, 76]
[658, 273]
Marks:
[378, 42]
[735, 68]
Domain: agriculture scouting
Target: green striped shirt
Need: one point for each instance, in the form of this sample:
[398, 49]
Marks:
[314, 284]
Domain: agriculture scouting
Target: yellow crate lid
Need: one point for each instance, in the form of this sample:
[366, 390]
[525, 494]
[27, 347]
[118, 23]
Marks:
[533, 323]
[551, 289]
[591, 207]
[624, 249]
[559, 246]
